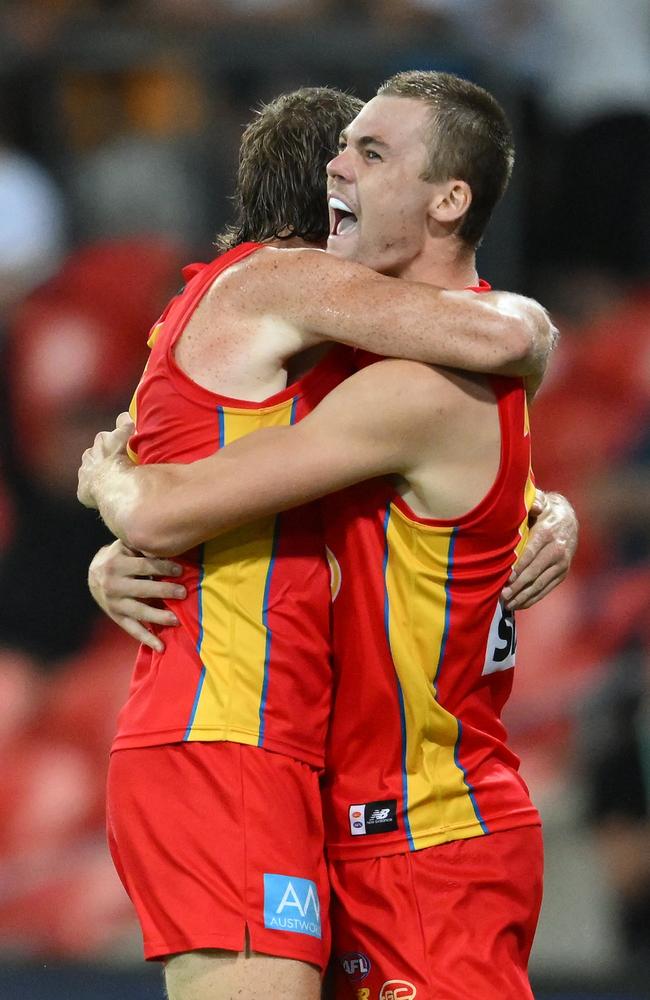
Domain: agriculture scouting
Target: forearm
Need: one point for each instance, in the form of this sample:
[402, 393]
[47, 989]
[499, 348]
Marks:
[123, 492]
[166, 509]
[483, 334]
[456, 329]
[530, 340]
[467, 331]
[496, 332]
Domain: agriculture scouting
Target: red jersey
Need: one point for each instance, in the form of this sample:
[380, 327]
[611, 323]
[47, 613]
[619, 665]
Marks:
[423, 656]
[250, 660]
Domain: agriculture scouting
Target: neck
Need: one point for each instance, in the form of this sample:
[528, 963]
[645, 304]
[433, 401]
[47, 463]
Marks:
[445, 263]
[296, 243]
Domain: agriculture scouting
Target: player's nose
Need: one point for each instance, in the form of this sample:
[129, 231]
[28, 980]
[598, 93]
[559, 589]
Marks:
[339, 167]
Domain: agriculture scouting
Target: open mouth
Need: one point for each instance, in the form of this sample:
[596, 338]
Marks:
[342, 218]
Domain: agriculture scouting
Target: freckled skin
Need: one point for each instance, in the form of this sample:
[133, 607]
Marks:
[248, 335]
[261, 317]
[383, 182]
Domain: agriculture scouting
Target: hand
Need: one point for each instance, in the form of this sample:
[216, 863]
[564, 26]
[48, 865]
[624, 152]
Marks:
[107, 445]
[117, 578]
[548, 554]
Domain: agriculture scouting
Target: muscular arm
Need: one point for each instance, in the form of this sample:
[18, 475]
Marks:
[495, 332]
[363, 429]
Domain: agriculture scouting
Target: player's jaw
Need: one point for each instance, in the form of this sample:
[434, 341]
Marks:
[344, 225]
[386, 235]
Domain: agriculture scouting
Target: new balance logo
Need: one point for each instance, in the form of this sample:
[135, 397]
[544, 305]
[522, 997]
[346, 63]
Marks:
[373, 817]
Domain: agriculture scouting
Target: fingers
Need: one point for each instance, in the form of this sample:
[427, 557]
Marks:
[130, 608]
[540, 551]
[548, 559]
[536, 589]
[107, 443]
[146, 566]
[538, 505]
[124, 420]
[523, 562]
[110, 588]
[140, 633]
[135, 586]
[121, 583]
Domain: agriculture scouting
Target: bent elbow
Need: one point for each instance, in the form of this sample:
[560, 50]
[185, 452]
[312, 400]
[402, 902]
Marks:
[541, 336]
[142, 532]
[520, 345]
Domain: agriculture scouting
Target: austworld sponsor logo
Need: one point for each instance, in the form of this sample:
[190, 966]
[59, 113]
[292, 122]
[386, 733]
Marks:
[397, 989]
[356, 965]
[292, 904]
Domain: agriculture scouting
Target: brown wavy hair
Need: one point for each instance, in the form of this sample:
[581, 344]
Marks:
[470, 139]
[281, 181]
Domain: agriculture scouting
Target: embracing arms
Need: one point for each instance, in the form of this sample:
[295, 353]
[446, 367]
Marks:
[369, 425]
[318, 297]
[164, 509]
[121, 580]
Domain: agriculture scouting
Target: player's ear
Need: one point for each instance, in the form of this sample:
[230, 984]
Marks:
[450, 201]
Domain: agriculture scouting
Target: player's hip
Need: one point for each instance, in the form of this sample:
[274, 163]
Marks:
[453, 922]
[213, 838]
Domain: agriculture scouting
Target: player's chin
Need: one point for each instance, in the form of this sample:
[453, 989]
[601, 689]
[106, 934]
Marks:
[342, 246]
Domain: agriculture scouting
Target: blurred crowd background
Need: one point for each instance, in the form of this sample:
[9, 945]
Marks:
[119, 127]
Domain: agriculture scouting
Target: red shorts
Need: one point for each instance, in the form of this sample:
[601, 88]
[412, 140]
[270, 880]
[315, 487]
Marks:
[213, 839]
[454, 922]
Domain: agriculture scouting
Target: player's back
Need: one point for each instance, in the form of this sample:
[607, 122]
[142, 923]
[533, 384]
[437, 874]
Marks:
[249, 661]
[423, 653]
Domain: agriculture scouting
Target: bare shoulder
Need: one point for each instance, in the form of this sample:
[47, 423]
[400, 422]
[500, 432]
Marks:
[274, 275]
[427, 390]
[274, 259]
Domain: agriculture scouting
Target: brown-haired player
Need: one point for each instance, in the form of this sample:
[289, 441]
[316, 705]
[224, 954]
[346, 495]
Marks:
[439, 433]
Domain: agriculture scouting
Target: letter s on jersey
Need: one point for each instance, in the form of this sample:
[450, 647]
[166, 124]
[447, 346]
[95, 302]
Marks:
[502, 641]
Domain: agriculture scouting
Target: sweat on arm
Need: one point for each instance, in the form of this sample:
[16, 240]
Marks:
[362, 429]
[498, 332]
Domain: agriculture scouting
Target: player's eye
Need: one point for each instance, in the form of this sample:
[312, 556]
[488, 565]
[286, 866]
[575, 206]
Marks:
[372, 154]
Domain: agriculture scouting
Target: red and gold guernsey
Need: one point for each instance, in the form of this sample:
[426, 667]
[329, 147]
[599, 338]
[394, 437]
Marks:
[250, 660]
[424, 654]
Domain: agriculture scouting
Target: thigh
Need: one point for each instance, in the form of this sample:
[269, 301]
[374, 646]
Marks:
[217, 841]
[376, 932]
[453, 922]
[218, 974]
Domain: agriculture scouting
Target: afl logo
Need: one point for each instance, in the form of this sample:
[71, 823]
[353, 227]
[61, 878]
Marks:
[356, 965]
[335, 573]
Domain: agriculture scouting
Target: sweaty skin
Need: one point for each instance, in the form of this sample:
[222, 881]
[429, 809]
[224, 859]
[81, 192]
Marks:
[121, 580]
[435, 430]
[376, 423]
[249, 338]
[283, 301]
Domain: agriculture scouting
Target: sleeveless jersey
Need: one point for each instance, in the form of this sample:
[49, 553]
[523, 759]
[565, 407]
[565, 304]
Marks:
[423, 654]
[250, 660]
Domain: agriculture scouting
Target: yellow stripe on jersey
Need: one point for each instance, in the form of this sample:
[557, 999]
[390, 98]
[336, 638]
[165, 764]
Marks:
[235, 642]
[153, 336]
[526, 420]
[133, 407]
[417, 608]
[529, 497]
[133, 413]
